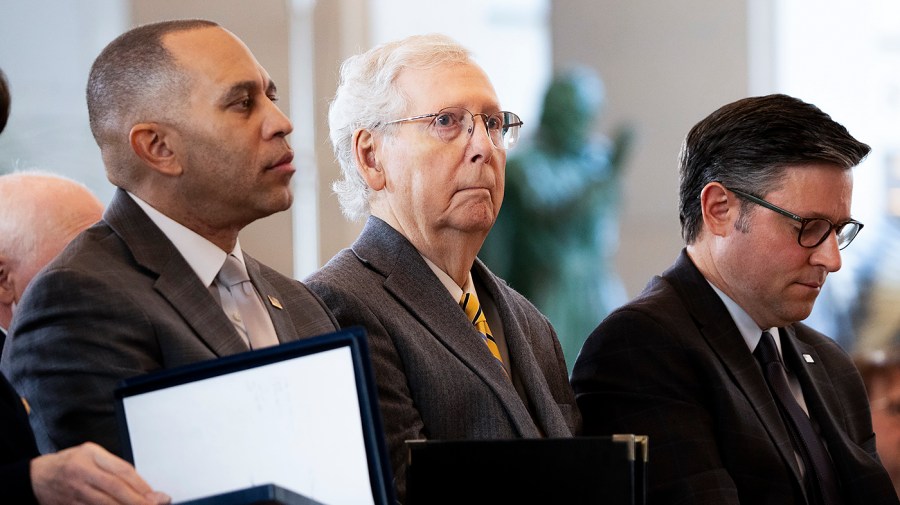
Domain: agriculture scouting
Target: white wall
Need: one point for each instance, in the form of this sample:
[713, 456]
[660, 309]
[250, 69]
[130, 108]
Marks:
[666, 65]
[46, 51]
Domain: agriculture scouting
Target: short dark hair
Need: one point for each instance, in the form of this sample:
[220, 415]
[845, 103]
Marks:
[749, 143]
[133, 74]
[5, 101]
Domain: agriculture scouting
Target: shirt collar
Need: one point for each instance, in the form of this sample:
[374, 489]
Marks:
[204, 257]
[745, 324]
[455, 291]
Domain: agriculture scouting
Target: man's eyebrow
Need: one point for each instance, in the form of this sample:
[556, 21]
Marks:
[243, 88]
[239, 90]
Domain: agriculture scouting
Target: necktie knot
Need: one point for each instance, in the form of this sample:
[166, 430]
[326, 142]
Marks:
[766, 351]
[232, 272]
[243, 305]
[472, 308]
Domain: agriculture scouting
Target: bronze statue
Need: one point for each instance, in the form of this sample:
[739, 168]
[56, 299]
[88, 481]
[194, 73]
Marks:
[557, 233]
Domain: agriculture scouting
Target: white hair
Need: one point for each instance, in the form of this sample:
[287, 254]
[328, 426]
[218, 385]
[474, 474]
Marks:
[367, 96]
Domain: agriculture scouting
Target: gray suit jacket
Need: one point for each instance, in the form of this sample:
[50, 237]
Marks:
[673, 365]
[436, 379]
[118, 302]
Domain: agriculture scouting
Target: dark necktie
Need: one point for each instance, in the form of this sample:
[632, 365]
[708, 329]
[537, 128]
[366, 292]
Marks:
[822, 485]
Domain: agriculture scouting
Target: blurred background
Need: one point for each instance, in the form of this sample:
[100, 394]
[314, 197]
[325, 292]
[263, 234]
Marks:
[659, 68]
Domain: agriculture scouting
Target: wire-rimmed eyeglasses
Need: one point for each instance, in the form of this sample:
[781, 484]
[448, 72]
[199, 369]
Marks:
[449, 123]
[813, 231]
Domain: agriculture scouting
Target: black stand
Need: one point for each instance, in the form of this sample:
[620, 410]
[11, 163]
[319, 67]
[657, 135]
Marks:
[268, 494]
[576, 471]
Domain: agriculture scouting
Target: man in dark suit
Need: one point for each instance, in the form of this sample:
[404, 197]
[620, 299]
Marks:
[421, 138]
[765, 196]
[86, 473]
[189, 132]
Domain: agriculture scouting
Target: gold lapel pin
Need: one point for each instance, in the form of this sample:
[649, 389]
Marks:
[274, 301]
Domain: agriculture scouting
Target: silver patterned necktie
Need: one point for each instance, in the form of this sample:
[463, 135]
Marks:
[247, 312]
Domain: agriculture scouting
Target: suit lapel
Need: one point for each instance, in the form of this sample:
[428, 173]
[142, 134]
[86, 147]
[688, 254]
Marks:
[284, 326]
[804, 362]
[540, 397]
[412, 283]
[806, 365]
[721, 333]
[175, 280]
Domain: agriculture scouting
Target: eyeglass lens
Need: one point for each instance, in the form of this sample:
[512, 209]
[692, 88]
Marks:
[816, 230]
[502, 127]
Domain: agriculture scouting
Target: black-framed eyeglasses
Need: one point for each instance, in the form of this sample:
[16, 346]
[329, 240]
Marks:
[449, 123]
[813, 231]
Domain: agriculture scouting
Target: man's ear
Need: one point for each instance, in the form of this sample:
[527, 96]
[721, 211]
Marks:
[364, 150]
[7, 286]
[720, 208]
[153, 143]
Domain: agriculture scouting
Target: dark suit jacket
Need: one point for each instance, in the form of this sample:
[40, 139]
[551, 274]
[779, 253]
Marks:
[17, 448]
[436, 379]
[118, 302]
[672, 364]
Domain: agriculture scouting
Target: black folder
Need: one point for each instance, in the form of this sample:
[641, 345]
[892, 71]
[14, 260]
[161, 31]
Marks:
[268, 494]
[297, 423]
[585, 470]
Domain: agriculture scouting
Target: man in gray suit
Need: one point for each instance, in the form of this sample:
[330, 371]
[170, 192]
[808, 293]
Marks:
[421, 138]
[189, 132]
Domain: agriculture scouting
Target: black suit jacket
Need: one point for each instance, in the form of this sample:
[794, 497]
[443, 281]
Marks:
[673, 365]
[17, 448]
[121, 301]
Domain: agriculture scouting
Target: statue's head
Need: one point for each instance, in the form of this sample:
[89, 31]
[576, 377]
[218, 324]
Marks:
[574, 99]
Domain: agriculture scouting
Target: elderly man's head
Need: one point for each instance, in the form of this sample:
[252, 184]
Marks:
[402, 80]
[39, 215]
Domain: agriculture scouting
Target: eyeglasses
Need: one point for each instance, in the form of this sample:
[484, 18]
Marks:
[448, 124]
[813, 231]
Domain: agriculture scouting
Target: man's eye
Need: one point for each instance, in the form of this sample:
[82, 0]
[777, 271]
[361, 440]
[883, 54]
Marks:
[273, 98]
[446, 120]
[494, 123]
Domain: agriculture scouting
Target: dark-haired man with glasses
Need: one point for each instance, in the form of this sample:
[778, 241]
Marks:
[421, 138]
[742, 402]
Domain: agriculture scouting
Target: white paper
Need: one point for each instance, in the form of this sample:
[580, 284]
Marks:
[294, 423]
